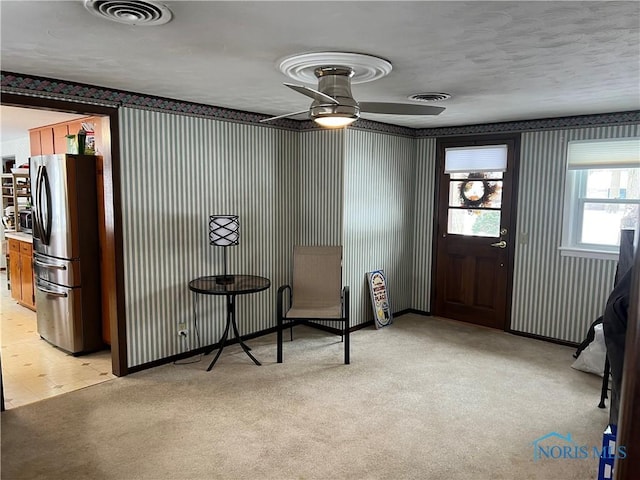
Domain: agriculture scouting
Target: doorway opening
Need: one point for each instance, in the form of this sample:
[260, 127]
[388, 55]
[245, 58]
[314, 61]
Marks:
[106, 364]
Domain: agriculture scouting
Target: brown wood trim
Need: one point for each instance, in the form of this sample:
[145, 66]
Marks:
[2, 409]
[557, 341]
[415, 311]
[629, 417]
[113, 213]
[441, 143]
[199, 350]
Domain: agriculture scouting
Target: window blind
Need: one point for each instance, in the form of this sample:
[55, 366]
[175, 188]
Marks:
[602, 154]
[485, 158]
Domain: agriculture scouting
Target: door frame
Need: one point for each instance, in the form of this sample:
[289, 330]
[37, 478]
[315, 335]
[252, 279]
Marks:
[476, 140]
[112, 210]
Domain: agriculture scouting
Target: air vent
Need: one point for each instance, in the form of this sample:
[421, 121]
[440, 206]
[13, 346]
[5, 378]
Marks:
[140, 13]
[430, 97]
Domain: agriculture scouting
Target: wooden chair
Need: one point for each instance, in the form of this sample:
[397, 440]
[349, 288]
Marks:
[316, 294]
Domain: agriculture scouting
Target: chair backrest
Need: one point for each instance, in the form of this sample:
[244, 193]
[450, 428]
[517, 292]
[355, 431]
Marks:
[317, 276]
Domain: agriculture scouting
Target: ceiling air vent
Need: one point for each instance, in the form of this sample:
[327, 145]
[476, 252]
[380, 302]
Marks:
[430, 97]
[140, 13]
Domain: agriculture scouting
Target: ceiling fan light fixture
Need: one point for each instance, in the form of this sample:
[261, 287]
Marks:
[334, 121]
[335, 116]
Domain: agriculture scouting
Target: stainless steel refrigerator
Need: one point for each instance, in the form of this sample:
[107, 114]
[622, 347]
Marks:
[66, 251]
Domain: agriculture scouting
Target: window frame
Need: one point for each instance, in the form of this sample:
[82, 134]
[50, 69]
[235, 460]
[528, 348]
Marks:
[574, 206]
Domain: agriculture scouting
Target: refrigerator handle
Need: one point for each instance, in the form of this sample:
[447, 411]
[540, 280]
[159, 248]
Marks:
[44, 184]
[51, 292]
[36, 211]
[49, 265]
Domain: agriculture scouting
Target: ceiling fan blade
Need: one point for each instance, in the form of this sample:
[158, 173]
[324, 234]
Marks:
[306, 110]
[399, 108]
[315, 94]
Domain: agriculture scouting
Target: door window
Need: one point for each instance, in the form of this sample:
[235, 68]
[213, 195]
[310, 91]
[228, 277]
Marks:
[475, 200]
[475, 189]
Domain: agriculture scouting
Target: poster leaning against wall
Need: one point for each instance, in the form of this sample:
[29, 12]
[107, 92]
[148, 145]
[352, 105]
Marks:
[379, 299]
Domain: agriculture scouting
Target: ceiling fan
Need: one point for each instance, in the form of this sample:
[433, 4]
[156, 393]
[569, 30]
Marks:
[333, 103]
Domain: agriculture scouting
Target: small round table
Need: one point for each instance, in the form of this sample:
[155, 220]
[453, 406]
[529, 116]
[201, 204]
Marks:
[229, 286]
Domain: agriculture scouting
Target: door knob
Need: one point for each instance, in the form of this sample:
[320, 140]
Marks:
[500, 244]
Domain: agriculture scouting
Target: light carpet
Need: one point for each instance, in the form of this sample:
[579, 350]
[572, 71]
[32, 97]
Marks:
[425, 398]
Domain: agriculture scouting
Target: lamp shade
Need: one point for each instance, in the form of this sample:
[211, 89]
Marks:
[224, 230]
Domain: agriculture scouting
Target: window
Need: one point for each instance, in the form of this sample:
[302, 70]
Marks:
[475, 189]
[602, 194]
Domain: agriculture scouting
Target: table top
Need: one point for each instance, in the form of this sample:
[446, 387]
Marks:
[241, 284]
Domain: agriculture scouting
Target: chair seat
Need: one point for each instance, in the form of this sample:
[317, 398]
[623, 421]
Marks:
[331, 311]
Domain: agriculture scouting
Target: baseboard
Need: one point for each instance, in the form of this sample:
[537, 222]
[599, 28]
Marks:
[557, 341]
[412, 310]
[197, 351]
[261, 333]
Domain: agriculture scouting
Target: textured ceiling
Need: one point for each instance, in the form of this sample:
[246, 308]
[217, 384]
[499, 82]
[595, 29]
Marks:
[501, 61]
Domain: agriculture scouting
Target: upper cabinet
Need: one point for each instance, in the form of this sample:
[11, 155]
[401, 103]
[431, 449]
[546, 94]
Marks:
[35, 145]
[52, 139]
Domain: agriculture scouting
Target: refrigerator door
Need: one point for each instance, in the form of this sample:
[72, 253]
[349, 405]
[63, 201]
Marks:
[55, 180]
[57, 270]
[59, 310]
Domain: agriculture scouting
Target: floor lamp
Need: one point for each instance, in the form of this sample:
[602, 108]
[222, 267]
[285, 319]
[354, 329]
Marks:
[223, 232]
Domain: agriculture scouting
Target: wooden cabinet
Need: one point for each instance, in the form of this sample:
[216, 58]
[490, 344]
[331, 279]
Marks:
[60, 133]
[52, 139]
[75, 127]
[46, 141]
[14, 269]
[34, 142]
[21, 273]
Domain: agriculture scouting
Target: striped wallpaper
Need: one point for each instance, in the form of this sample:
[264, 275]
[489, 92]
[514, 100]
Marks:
[176, 171]
[372, 192]
[321, 181]
[378, 217]
[554, 296]
[423, 224]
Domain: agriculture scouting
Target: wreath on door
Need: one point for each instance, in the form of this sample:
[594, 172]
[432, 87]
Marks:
[475, 192]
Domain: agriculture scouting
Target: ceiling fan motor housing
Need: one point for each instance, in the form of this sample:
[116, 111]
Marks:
[335, 82]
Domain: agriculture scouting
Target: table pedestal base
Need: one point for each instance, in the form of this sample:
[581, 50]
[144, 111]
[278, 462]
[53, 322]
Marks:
[231, 323]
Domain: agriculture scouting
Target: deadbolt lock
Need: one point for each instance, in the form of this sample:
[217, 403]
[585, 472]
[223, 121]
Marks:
[503, 231]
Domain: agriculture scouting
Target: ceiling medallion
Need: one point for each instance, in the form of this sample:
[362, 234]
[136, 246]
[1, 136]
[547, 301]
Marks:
[366, 68]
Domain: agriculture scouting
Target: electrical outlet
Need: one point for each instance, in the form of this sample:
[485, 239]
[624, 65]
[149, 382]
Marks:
[183, 332]
[182, 326]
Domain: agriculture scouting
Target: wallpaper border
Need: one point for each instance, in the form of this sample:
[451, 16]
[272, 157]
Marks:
[24, 84]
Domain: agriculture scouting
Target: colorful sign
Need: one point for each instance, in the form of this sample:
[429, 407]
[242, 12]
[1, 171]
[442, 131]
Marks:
[379, 299]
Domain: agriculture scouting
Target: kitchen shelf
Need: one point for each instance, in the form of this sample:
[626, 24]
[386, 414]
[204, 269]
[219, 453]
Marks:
[14, 186]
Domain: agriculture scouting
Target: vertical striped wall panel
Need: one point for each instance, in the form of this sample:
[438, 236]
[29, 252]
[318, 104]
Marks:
[320, 187]
[423, 223]
[321, 180]
[378, 217]
[176, 171]
[554, 296]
